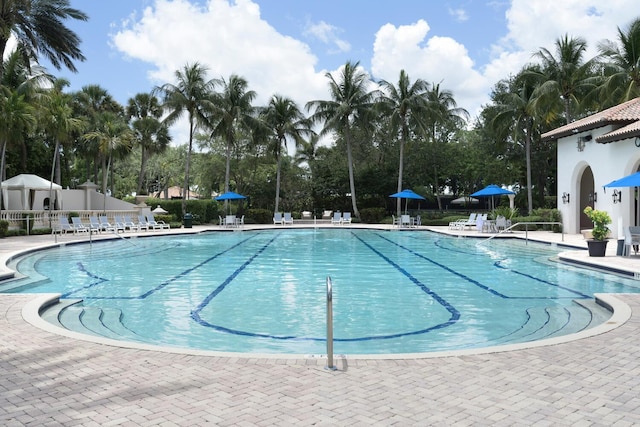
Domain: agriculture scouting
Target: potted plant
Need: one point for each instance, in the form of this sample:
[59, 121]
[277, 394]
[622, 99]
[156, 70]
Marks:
[601, 219]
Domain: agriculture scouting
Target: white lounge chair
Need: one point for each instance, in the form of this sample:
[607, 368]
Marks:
[462, 223]
[405, 221]
[337, 218]
[142, 222]
[94, 224]
[157, 225]
[346, 218]
[62, 226]
[287, 219]
[132, 226]
[277, 218]
[78, 226]
[105, 225]
[118, 223]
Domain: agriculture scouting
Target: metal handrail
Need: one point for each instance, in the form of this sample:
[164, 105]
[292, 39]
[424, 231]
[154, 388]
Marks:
[526, 230]
[330, 364]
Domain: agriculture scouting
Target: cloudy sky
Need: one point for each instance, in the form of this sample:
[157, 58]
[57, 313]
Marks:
[287, 46]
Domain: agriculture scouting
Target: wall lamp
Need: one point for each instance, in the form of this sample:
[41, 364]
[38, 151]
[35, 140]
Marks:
[593, 197]
[582, 140]
[566, 198]
[617, 196]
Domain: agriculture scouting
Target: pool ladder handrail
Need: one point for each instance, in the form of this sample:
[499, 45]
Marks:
[526, 229]
[330, 364]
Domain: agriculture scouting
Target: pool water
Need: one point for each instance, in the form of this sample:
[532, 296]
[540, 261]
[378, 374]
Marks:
[265, 291]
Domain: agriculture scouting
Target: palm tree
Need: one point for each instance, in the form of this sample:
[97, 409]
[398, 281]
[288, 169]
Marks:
[59, 125]
[351, 104]
[232, 110]
[151, 134]
[89, 103]
[444, 116]
[517, 116]
[284, 120]
[38, 28]
[17, 118]
[111, 134]
[191, 94]
[622, 72]
[406, 105]
[566, 77]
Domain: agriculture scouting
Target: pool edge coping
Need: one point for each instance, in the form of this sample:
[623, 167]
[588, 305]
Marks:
[621, 313]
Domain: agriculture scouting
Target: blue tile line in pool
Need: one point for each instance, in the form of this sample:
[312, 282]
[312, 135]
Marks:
[497, 265]
[455, 315]
[157, 288]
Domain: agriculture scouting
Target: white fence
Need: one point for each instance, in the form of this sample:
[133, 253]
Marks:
[46, 219]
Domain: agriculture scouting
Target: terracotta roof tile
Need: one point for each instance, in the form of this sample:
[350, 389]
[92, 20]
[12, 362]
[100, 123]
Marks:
[624, 132]
[622, 114]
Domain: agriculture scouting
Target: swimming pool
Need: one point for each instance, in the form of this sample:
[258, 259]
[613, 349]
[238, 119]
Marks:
[265, 291]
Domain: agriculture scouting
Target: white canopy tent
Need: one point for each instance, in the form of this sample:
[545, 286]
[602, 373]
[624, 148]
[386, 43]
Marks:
[26, 185]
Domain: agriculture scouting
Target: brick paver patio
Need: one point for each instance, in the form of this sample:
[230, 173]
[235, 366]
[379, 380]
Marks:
[47, 379]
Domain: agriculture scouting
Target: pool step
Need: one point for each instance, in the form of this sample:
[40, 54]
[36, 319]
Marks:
[52, 313]
[107, 323]
[551, 322]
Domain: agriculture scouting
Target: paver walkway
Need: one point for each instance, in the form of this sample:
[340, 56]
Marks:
[46, 379]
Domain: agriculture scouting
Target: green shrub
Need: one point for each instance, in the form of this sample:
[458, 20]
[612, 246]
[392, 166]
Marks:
[259, 216]
[372, 215]
[4, 228]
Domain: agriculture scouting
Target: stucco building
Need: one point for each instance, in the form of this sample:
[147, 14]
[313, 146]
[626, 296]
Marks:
[593, 152]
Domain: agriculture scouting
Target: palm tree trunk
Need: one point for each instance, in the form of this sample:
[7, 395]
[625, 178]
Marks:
[528, 160]
[143, 166]
[278, 176]
[2, 177]
[352, 184]
[227, 171]
[186, 167]
[400, 173]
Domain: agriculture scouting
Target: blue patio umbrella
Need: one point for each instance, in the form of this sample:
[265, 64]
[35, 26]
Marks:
[490, 191]
[229, 195]
[632, 180]
[407, 194]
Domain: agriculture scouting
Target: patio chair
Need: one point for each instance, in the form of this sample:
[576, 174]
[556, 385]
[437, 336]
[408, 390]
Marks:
[78, 226]
[105, 225]
[157, 225]
[346, 218]
[631, 239]
[94, 224]
[230, 221]
[287, 219]
[132, 226]
[337, 218]
[405, 221]
[143, 223]
[62, 226]
[277, 218]
[460, 224]
[500, 224]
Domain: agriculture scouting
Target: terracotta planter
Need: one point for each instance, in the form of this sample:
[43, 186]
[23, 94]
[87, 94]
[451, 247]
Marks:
[597, 247]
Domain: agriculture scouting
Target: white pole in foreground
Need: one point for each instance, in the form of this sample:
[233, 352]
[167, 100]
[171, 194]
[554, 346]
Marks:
[330, 364]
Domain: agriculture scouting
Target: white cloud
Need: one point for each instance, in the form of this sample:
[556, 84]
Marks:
[436, 60]
[226, 38]
[459, 15]
[328, 34]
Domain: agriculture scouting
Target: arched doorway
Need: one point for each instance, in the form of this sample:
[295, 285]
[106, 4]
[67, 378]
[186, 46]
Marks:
[588, 197]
